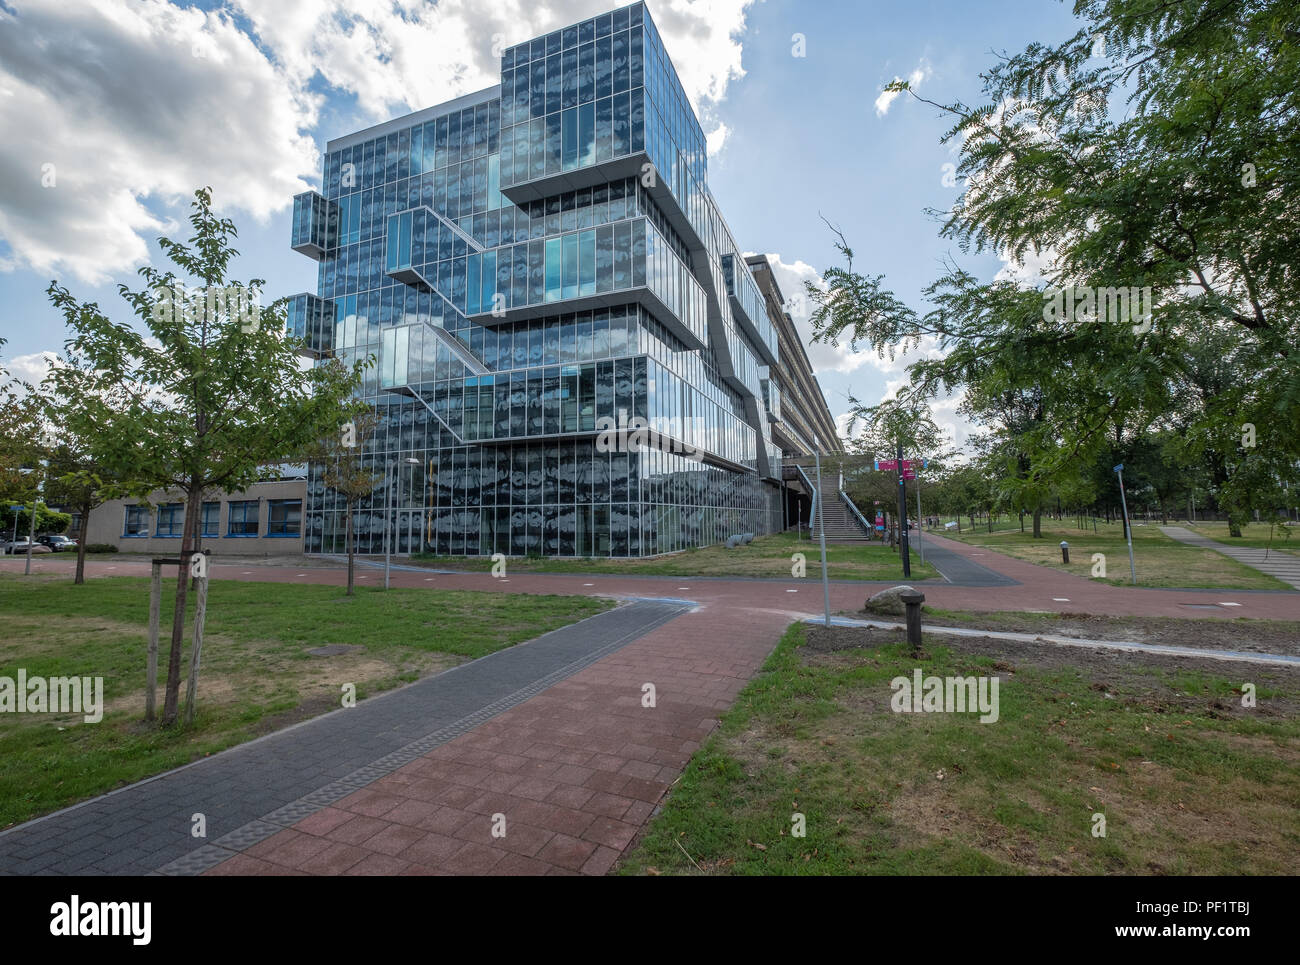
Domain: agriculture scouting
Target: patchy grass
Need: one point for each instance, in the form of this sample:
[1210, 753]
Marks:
[1160, 560]
[1254, 535]
[767, 556]
[1188, 780]
[257, 675]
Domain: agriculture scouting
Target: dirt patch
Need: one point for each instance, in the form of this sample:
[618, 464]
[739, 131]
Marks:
[1244, 634]
[1105, 664]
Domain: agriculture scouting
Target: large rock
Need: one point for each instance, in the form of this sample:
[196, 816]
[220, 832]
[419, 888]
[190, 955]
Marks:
[888, 601]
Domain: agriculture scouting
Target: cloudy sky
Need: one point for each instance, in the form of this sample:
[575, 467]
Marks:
[114, 111]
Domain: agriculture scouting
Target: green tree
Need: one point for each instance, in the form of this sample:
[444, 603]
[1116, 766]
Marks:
[20, 439]
[78, 483]
[210, 396]
[1158, 149]
[346, 459]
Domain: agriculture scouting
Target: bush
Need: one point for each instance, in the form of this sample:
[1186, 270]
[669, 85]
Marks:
[101, 548]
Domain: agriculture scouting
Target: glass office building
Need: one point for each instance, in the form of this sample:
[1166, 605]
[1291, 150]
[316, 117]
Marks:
[529, 264]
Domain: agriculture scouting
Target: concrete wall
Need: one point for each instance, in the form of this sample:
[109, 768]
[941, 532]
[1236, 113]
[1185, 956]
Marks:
[107, 523]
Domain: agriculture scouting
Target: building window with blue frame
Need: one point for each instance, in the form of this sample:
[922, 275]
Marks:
[284, 517]
[137, 522]
[211, 519]
[171, 520]
[243, 518]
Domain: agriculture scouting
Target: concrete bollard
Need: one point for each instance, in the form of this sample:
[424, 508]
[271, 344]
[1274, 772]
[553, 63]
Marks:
[1065, 552]
[913, 601]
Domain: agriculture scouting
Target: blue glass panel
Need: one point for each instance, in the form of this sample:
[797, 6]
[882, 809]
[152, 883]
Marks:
[554, 266]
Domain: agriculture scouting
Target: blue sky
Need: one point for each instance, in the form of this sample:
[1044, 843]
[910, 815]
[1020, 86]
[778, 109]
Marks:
[137, 103]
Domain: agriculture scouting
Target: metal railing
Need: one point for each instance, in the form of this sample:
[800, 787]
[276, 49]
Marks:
[856, 512]
[812, 517]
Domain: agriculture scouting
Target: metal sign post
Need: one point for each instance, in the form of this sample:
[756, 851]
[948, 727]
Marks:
[920, 526]
[902, 516]
[1128, 526]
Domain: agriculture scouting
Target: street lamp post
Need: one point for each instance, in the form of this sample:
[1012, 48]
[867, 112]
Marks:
[397, 505]
[31, 534]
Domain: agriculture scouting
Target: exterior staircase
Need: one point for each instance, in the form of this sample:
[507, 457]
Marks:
[842, 523]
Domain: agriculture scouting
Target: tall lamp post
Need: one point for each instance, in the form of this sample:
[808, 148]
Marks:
[388, 517]
[31, 535]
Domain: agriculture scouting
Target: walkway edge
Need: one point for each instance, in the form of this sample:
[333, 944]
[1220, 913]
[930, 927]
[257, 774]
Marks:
[1274, 659]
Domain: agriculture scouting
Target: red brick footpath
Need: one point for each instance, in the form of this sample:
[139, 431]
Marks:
[564, 782]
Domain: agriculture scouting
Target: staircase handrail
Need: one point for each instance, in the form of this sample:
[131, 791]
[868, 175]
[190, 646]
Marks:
[812, 517]
[856, 512]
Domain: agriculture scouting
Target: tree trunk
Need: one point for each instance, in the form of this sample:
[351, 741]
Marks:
[348, 540]
[197, 532]
[1038, 523]
[172, 698]
[80, 576]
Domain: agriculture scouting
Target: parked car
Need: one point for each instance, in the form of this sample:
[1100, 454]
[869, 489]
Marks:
[57, 542]
[19, 547]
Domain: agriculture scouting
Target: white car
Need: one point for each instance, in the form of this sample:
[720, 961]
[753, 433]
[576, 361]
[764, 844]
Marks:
[19, 547]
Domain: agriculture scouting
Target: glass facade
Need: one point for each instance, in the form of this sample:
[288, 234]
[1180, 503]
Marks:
[527, 265]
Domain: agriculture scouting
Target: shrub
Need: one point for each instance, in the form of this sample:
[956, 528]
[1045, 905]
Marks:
[100, 548]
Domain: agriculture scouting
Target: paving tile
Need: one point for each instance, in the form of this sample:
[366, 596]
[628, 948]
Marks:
[334, 860]
[600, 862]
[378, 864]
[472, 859]
[394, 839]
[567, 852]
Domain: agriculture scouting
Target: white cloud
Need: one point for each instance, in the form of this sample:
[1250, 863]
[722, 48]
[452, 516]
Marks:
[32, 368]
[138, 102]
[113, 96]
[824, 357]
[887, 97]
[716, 138]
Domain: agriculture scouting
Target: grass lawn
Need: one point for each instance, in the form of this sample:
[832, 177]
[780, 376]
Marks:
[1254, 535]
[1160, 560]
[1188, 780]
[767, 556]
[256, 674]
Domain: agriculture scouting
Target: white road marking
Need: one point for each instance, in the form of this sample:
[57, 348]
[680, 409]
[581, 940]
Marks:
[792, 591]
[1060, 599]
[1229, 604]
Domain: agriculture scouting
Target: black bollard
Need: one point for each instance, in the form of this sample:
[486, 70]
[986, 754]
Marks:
[1065, 552]
[913, 600]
